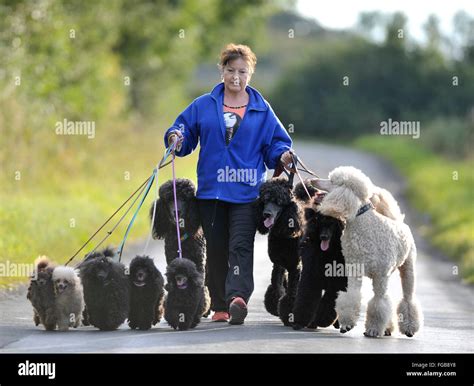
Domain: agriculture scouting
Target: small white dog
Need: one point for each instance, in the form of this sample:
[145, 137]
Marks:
[69, 301]
[378, 243]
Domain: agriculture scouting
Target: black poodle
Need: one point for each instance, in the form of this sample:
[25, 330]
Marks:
[193, 243]
[146, 293]
[280, 216]
[186, 300]
[323, 270]
[106, 290]
[301, 194]
[41, 294]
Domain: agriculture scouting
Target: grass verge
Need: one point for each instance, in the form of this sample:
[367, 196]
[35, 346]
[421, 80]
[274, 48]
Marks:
[441, 188]
[60, 201]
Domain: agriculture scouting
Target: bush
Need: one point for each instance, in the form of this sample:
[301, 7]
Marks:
[451, 137]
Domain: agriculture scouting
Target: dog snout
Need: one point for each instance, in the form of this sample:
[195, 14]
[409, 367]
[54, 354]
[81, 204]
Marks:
[267, 215]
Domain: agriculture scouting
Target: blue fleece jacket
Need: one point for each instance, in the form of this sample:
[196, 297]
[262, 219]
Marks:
[233, 172]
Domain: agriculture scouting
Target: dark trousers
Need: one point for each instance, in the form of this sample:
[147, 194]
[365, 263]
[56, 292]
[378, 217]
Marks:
[229, 230]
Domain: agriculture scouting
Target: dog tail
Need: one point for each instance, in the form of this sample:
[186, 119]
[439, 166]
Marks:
[386, 205]
[42, 263]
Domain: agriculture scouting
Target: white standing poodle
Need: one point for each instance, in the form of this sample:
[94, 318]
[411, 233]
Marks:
[69, 301]
[375, 245]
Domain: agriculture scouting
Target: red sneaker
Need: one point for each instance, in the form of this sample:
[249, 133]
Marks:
[238, 311]
[220, 316]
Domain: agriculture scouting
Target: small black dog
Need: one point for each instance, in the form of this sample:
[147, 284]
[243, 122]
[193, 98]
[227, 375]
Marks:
[323, 263]
[146, 293]
[106, 290]
[193, 243]
[41, 294]
[186, 300]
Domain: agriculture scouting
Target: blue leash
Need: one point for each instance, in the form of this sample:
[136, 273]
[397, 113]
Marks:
[145, 193]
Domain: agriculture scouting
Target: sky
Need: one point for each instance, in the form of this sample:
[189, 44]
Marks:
[342, 14]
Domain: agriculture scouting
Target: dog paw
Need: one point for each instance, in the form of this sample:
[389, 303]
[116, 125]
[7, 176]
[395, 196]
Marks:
[409, 333]
[297, 326]
[387, 333]
[345, 328]
[372, 333]
[408, 330]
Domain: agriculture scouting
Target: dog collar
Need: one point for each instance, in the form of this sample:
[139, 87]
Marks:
[364, 208]
[184, 237]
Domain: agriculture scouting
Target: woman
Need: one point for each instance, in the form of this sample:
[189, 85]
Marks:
[239, 135]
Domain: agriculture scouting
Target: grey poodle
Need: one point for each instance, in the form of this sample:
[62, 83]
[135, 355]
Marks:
[378, 244]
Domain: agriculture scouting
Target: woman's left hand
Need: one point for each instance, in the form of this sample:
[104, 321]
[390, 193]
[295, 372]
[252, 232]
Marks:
[286, 159]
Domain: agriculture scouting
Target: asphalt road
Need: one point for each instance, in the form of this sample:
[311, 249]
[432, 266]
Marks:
[447, 304]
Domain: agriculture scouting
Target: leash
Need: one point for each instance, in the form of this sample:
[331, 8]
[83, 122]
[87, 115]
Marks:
[153, 177]
[295, 166]
[180, 252]
[139, 190]
[109, 233]
[290, 173]
[145, 193]
[159, 166]
[304, 167]
[107, 221]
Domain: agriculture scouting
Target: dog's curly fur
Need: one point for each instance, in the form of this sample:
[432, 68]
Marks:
[320, 247]
[301, 194]
[193, 243]
[378, 243]
[56, 295]
[69, 302]
[283, 238]
[41, 294]
[186, 300]
[106, 290]
[146, 293]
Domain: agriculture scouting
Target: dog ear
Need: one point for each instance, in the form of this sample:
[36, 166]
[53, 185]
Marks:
[341, 225]
[155, 273]
[162, 222]
[258, 210]
[340, 203]
[289, 221]
[193, 218]
[309, 214]
[198, 279]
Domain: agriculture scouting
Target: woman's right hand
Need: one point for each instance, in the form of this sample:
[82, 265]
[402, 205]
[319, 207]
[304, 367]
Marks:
[175, 136]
